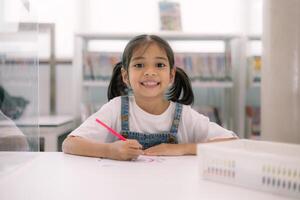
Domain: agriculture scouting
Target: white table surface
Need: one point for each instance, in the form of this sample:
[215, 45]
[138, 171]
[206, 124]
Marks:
[42, 121]
[60, 176]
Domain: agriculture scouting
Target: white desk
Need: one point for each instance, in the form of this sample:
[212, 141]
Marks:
[59, 176]
[50, 128]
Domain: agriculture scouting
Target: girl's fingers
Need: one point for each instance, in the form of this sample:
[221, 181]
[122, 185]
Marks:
[134, 144]
[135, 152]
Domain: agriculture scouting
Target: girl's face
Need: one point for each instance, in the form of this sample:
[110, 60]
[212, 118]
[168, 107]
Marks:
[149, 72]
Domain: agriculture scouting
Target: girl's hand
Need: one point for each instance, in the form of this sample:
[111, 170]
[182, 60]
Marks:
[171, 150]
[125, 150]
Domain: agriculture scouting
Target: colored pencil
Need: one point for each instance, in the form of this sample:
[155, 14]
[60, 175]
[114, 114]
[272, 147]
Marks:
[112, 131]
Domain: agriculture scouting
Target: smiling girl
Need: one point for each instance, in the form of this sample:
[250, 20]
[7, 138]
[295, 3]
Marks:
[149, 104]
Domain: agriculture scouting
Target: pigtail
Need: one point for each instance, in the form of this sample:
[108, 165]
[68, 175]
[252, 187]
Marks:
[181, 90]
[116, 86]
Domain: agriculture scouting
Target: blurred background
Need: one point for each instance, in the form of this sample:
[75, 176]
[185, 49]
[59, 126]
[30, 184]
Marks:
[56, 58]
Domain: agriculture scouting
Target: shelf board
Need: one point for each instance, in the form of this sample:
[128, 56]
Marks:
[255, 37]
[196, 84]
[212, 84]
[166, 35]
[29, 37]
[97, 83]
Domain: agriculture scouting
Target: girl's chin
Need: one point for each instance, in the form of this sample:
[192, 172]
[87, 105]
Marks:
[150, 94]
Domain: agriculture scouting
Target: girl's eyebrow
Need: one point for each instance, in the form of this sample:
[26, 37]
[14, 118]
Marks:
[138, 58]
[141, 57]
[162, 58]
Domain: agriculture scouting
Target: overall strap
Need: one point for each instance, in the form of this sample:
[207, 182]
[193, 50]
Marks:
[176, 120]
[124, 113]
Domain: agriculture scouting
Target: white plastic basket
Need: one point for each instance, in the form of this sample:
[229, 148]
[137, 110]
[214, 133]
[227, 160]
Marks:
[267, 166]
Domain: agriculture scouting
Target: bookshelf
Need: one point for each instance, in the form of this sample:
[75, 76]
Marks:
[199, 49]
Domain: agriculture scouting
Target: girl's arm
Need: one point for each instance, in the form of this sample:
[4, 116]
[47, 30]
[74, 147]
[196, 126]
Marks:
[119, 150]
[171, 150]
[177, 149]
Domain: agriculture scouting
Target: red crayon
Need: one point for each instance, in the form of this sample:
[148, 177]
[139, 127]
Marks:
[112, 131]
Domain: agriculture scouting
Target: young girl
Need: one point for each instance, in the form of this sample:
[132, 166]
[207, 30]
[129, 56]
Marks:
[149, 104]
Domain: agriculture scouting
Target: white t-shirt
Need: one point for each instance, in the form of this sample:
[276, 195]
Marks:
[193, 127]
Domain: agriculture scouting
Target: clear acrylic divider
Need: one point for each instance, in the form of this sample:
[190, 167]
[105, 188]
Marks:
[19, 110]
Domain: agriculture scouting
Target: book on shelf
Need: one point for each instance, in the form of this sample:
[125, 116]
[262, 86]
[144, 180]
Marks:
[253, 122]
[88, 73]
[18, 70]
[99, 65]
[204, 66]
[170, 17]
[254, 63]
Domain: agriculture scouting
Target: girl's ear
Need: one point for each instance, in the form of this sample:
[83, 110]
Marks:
[172, 75]
[125, 76]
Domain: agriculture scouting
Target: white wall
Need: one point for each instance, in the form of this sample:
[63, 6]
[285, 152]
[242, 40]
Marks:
[135, 15]
[256, 17]
[200, 16]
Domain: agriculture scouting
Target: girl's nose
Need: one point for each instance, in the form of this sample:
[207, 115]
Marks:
[150, 72]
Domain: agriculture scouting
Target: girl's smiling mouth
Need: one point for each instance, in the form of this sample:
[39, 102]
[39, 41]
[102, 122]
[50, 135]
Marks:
[150, 83]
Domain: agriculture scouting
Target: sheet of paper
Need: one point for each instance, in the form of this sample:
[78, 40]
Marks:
[140, 160]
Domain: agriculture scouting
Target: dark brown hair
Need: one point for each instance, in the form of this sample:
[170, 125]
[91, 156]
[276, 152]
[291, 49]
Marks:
[181, 90]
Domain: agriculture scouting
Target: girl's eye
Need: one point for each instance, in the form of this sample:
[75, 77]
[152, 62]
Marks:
[160, 65]
[139, 65]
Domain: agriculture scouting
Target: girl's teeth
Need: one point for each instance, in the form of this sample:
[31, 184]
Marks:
[150, 83]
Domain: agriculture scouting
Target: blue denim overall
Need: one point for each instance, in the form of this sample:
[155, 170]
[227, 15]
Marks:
[149, 139]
